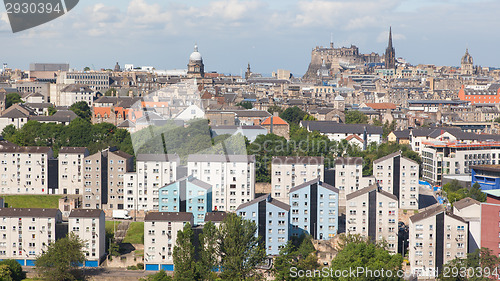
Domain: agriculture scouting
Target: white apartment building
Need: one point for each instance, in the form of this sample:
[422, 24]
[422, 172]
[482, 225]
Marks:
[24, 170]
[349, 177]
[160, 235]
[289, 171]
[89, 225]
[470, 210]
[152, 172]
[26, 232]
[442, 157]
[373, 212]
[232, 178]
[398, 175]
[70, 165]
[436, 237]
[72, 94]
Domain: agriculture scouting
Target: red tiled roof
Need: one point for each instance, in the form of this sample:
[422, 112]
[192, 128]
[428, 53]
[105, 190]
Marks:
[276, 121]
[381, 105]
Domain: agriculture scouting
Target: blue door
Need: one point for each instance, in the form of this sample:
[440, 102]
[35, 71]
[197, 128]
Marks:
[30, 262]
[21, 262]
[91, 264]
[167, 267]
[152, 267]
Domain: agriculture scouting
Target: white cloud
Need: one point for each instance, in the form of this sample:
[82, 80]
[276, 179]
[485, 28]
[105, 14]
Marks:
[384, 36]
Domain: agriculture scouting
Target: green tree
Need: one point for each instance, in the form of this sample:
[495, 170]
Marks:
[51, 110]
[245, 104]
[240, 250]
[355, 117]
[82, 110]
[209, 258]
[293, 115]
[184, 259]
[299, 253]
[86, 68]
[11, 99]
[274, 108]
[9, 131]
[5, 273]
[388, 128]
[62, 259]
[356, 251]
[15, 269]
[482, 261]
[159, 276]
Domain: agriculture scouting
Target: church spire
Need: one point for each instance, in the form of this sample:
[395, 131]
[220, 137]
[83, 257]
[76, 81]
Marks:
[390, 37]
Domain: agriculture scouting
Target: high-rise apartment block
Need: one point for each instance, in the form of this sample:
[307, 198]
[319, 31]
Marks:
[398, 175]
[373, 212]
[272, 219]
[289, 171]
[232, 178]
[314, 207]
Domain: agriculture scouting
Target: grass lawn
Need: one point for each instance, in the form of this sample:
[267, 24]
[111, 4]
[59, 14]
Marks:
[32, 201]
[109, 226]
[139, 253]
[135, 233]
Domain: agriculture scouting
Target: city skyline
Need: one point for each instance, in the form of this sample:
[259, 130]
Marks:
[269, 36]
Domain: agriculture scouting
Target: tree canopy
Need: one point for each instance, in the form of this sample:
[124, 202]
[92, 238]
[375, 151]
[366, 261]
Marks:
[455, 192]
[95, 137]
[356, 251]
[355, 117]
[82, 110]
[62, 259]
[184, 259]
[11, 99]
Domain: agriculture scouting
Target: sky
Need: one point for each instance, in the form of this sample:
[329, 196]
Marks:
[270, 35]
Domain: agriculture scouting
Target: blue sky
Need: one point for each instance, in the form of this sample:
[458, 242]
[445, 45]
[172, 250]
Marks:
[268, 34]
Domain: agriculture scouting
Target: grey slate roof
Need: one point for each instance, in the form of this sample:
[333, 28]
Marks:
[320, 183]
[28, 212]
[168, 216]
[215, 216]
[85, 213]
[373, 187]
[466, 202]
[432, 211]
[268, 197]
[348, 161]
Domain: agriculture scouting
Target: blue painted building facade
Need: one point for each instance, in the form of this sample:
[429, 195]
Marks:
[272, 219]
[187, 194]
[488, 176]
[314, 207]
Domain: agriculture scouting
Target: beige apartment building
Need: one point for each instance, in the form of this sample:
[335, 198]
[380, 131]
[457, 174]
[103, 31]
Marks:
[289, 171]
[24, 170]
[436, 237]
[398, 175]
[26, 232]
[232, 178]
[94, 193]
[89, 225]
[349, 177]
[160, 235]
[70, 165]
[119, 163]
[373, 212]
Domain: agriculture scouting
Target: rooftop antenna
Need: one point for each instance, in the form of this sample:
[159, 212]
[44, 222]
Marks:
[331, 40]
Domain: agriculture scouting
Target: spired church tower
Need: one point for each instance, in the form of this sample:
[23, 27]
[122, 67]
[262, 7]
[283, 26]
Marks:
[467, 64]
[196, 69]
[390, 54]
